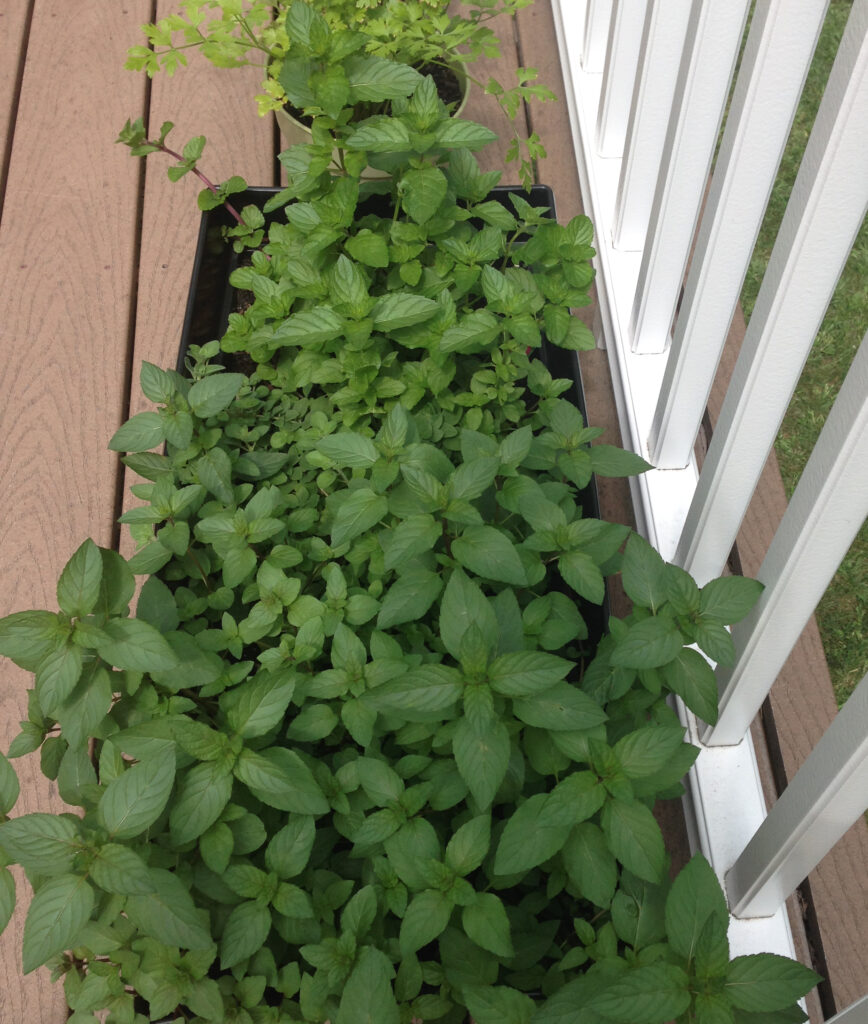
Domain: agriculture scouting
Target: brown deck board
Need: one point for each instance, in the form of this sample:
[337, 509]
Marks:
[66, 262]
[14, 22]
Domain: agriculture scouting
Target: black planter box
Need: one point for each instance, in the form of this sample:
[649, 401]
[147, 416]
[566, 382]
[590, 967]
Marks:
[211, 299]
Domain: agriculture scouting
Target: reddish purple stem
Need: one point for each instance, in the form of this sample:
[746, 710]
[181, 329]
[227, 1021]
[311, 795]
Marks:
[208, 184]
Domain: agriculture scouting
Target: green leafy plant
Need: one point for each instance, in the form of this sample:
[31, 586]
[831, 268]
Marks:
[358, 756]
[324, 57]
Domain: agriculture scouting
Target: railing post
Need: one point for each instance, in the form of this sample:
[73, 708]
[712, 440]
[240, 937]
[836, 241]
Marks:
[822, 217]
[783, 34]
[619, 75]
[825, 798]
[597, 16]
[713, 36]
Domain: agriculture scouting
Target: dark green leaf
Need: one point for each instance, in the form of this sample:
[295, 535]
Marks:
[402, 309]
[694, 897]
[590, 864]
[467, 848]
[26, 637]
[204, 791]
[120, 870]
[258, 705]
[499, 1005]
[361, 510]
[425, 918]
[168, 914]
[645, 995]
[482, 756]
[729, 598]
[213, 394]
[413, 536]
[486, 923]
[533, 834]
[281, 779]
[634, 838]
[693, 679]
[409, 597]
[7, 897]
[608, 460]
[463, 605]
[650, 643]
[9, 787]
[764, 981]
[489, 553]
[134, 801]
[561, 708]
[135, 645]
[244, 933]
[143, 431]
[367, 996]
[348, 449]
[288, 851]
[45, 844]
[643, 573]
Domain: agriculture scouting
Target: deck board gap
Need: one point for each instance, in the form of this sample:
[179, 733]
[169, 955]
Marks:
[6, 161]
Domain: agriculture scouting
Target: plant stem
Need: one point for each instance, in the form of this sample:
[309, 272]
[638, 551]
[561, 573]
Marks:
[205, 181]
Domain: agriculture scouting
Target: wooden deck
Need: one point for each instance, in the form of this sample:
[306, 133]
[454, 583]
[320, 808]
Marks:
[96, 250]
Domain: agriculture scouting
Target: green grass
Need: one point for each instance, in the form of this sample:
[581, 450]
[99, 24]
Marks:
[843, 613]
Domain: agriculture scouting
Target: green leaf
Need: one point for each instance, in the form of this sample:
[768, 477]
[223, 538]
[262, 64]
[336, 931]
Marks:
[244, 933]
[762, 982]
[467, 848]
[482, 756]
[9, 786]
[647, 750]
[137, 646]
[202, 795]
[693, 898]
[367, 996]
[402, 309]
[120, 870]
[168, 914]
[425, 918]
[473, 333]
[409, 597]
[259, 705]
[289, 850]
[7, 897]
[457, 133]
[643, 573]
[651, 643]
[634, 838]
[368, 248]
[523, 673]
[581, 573]
[143, 431]
[498, 1005]
[379, 135]
[637, 912]
[44, 844]
[412, 536]
[485, 922]
[693, 679]
[590, 864]
[78, 586]
[157, 606]
[561, 708]
[308, 328]
[534, 833]
[360, 511]
[59, 911]
[418, 694]
[213, 394]
[347, 449]
[729, 598]
[57, 675]
[279, 778]
[26, 637]
[134, 801]
[652, 994]
[422, 192]
[360, 912]
[463, 605]
[374, 79]
[489, 553]
[608, 460]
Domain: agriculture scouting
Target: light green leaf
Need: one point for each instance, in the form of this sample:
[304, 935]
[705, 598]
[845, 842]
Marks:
[78, 586]
[634, 838]
[369, 248]
[44, 844]
[486, 923]
[360, 511]
[652, 994]
[489, 553]
[57, 675]
[367, 996]
[647, 750]
[59, 911]
[457, 133]
[561, 708]
[523, 673]
[308, 328]
[464, 605]
[643, 573]
[141, 432]
[379, 135]
[168, 914]
[258, 705]
[422, 191]
[608, 460]
[204, 791]
[651, 643]
[473, 333]
[9, 786]
[762, 982]
[348, 449]
[533, 834]
[289, 850]
[409, 597]
[119, 869]
[581, 573]
[213, 394]
[26, 637]
[729, 598]
[412, 536]
[134, 801]
[244, 933]
[402, 309]
[279, 778]
[467, 848]
[425, 918]
[374, 79]
[482, 756]
[418, 694]
[135, 645]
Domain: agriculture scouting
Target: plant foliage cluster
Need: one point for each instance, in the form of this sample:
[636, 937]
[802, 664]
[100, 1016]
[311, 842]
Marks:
[327, 55]
[355, 758]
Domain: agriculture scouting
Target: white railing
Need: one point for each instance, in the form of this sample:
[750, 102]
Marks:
[647, 83]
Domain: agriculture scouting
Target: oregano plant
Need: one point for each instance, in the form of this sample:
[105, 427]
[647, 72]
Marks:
[359, 748]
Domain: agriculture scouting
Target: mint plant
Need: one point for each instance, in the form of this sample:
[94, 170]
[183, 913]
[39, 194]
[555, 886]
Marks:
[359, 753]
[322, 57]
